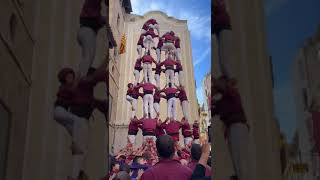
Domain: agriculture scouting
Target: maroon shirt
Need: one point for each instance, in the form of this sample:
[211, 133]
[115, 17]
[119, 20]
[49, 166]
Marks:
[151, 33]
[221, 18]
[195, 130]
[168, 63]
[138, 65]
[64, 96]
[167, 169]
[160, 130]
[140, 41]
[168, 38]
[178, 67]
[192, 166]
[147, 23]
[134, 92]
[230, 108]
[170, 92]
[172, 129]
[182, 95]
[177, 42]
[186, 130]
[134, 127]
[147, 59]
[157, 97]
[148, 88]
[158, 69]
[160, 43]
[83, 93]
[91, 9]
[148, 125]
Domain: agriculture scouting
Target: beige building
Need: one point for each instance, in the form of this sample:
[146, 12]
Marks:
[252, 68]
[306, 87]
[118, 11]
[206, 88]
[132, 29]
[38, 38]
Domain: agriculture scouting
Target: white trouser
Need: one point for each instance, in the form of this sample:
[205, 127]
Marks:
[147, 72]
[171, 111]
[168, 47]
[178, 54]
[81, 136]
[188, 141]
[224, 48]
[157, 78]
[65, 118]
[133, 103]
[136, 77]
[238, 139]
[87, 40]
[132, 139]
[158, 51]
[179, 78]
[148, 42]
[148, 104]
[149, 137]
[185, 109]
[139, 49]
[156, 107]
[169, 76]
[196, 141]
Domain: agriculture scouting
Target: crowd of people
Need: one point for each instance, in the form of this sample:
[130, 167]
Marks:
[168, 167]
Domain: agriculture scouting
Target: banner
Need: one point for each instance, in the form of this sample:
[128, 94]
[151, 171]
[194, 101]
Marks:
[123, 44]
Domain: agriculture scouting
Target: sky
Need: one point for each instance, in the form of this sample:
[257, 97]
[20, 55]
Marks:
[289, 23]
[198, 16]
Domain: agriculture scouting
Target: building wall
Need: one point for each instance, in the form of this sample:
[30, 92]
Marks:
[206, 88]
[306, 82]
[16, 52]
[132, 29]
[44, 42]
[252, 68]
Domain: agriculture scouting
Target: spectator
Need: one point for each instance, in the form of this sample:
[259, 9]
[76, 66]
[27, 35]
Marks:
[122, 175]
[199, 171]
[115, 168]
[195, 156]
[138, 163]
[167, 168]
[125, 167]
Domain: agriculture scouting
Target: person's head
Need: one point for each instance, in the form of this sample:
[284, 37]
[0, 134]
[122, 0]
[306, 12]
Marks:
[130, 85]
[66, 76]
[122, 175]
[91, 70]
[170, 84]
[115, 167]
[140, 160]
[125, 167]
[181, 87]
[195, 152]
[165, 146]
[172, 33]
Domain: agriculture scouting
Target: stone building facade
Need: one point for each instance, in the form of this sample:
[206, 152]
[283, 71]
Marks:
[132, 29]
[306, 87]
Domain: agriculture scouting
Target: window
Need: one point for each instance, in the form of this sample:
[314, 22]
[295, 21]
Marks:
[4, 139]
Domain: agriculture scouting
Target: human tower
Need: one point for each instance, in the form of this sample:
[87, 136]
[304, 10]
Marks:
[150, 91]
